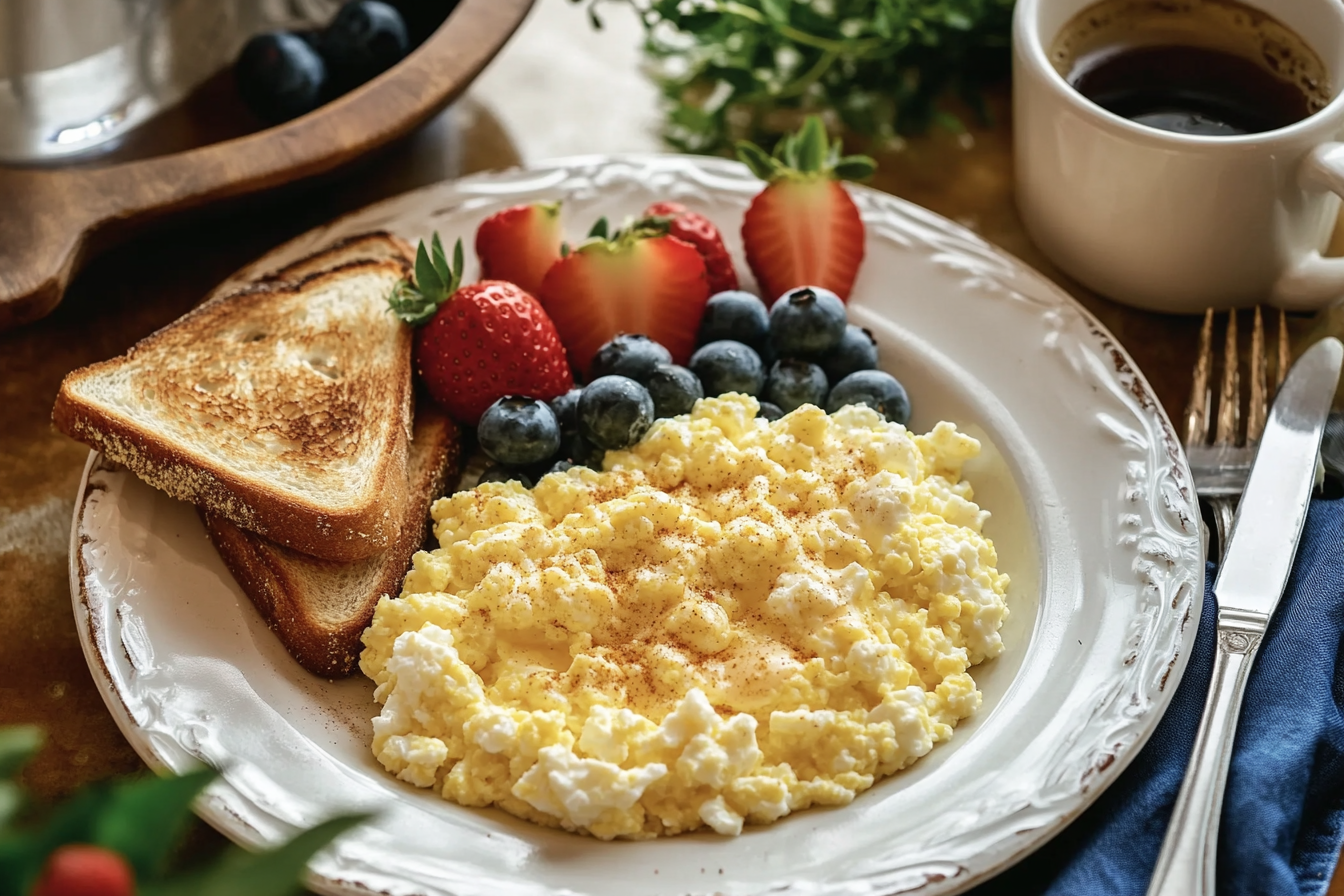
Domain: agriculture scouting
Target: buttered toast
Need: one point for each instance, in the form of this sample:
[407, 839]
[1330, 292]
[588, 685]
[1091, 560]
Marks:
[284, 408]
[319, 608]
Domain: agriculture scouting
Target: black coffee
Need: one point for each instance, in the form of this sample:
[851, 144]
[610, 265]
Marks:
[1208, 67]
[1192, 90]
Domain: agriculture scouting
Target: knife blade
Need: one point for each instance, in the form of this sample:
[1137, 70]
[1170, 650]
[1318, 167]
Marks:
[1273, 507]
[1254, 571]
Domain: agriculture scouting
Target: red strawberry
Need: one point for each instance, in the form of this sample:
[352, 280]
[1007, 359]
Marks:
[803, 229]
[79, 869]
[520, 244]
[479, 342]
[638, 281]
[701, 233]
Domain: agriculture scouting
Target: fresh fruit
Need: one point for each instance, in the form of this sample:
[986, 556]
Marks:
[80, 869]
[575, 448]
[726, 366]
[280, 76]
[792, 384]
[637, 281]
[857, 350]
[701, 233]
[769, 411]
[363, 40]
[875, 388]
[629, 354]
[519, 244]
[807, 322]
[674, 390]
[502, 473]
[479, 343]
[519, 431]
[566, 409]
[614, 412]
[804, 227]
[560, 466]
[735, 315]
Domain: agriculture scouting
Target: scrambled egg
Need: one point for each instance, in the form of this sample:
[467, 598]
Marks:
[737, 620]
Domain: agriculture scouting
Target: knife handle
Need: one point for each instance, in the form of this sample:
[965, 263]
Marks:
[1187, 864]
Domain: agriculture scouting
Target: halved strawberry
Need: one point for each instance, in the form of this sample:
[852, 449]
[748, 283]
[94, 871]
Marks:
[638, 281]
[803, 229]
[519, 244]
[701, 233]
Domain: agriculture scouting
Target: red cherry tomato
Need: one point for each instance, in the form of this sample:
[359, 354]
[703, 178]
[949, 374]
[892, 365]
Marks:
[83, 870]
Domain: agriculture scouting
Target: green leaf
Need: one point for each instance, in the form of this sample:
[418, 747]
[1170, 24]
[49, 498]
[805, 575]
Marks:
[855, 168]
[144, 819]
[275, 873]
[18, 744]
[12, 802]
[777, 11]
[411, 305]
[455, 277]
[811, 142]
[426, 277]
[755, 158]
[599, 229]
[440, 262]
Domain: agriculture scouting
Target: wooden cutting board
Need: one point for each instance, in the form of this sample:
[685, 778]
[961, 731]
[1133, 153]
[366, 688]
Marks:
[53, 219]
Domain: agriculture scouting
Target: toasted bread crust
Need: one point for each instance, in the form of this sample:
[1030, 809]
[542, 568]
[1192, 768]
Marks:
[352, 534]
[376, 245]
[280, 581]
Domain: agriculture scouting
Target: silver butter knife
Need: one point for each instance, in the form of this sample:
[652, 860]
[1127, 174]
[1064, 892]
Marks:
[1255, 570]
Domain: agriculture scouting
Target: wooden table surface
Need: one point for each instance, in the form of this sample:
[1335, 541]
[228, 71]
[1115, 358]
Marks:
[557, 89]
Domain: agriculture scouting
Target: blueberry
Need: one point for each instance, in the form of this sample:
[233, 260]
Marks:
[736, 315]
[518, 431]
[808, 321]
[631, 355]
[727, 366]
[614, 412]
[560, 466]
[501, 473]
[575, 448]
[857, 351]
[769, 411]
[674, 390]
[279, 76]
[566, 408]
[792, 384]
[364, 39]
[879, 390]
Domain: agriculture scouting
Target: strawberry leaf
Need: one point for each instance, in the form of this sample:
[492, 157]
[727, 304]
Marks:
[810, 145]
[854, 168]
[599, 230]
[11, 802]
[145, 818]
[455, 275]
[755, 158]
[427, 279]
[440, 261]
[411, 305]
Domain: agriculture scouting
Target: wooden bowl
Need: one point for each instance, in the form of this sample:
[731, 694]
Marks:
[52, 219]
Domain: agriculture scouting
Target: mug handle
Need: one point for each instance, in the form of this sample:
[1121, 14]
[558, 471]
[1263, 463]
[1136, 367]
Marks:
[1313, 280]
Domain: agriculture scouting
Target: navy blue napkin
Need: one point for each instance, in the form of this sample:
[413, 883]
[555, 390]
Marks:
[1283, 812]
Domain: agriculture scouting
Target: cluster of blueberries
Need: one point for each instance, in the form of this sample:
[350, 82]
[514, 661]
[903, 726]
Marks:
[282, 74]
[787, 356]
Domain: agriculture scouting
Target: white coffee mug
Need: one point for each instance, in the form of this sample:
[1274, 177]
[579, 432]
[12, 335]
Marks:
[1176, 222]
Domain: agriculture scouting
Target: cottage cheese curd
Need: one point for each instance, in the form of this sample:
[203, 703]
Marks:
[737, 620]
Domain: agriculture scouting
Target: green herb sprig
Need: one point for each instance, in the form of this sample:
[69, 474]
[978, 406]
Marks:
[749, 69]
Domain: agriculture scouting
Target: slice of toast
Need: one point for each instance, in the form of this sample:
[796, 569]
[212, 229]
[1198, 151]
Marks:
[284, 407]
[319, 608]
[376, 245]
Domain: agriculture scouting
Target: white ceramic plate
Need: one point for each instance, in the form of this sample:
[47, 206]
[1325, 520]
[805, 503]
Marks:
[1093, 516]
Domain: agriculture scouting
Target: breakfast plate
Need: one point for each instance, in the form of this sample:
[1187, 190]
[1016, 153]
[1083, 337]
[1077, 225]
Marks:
[1094, 520]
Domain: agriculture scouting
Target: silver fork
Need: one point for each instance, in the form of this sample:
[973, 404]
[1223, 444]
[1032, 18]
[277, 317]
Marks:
[1219, 448]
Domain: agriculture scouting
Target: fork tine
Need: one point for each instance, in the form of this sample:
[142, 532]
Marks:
[1282, 368]
[1229, 397]
[1198, 408]
[1258, 409]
